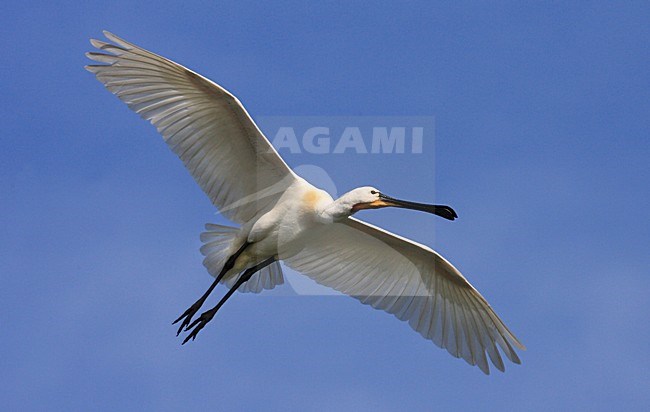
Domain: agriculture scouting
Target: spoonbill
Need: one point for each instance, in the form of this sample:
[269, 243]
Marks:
[284, 218]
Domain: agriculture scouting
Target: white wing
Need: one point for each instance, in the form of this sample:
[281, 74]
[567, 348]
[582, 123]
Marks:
[409, 280]
[205, 125]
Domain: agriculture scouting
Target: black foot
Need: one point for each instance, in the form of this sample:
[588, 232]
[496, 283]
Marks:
[188, 315]
[199, 324]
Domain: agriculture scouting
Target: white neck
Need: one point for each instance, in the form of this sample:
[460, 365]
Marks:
[338, 210]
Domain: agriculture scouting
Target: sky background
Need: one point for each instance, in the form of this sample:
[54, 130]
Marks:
[542, 123]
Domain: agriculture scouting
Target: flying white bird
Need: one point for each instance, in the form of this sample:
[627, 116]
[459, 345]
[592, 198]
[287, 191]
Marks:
[283, 217]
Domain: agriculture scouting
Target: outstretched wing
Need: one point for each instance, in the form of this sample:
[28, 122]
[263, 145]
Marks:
[410, 281]
[205, 125]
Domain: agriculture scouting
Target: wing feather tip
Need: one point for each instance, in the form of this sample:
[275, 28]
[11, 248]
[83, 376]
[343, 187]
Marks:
[116, 39]
[500, 366]
[518, 344]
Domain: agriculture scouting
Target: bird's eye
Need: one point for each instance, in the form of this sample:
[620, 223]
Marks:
[373, 192]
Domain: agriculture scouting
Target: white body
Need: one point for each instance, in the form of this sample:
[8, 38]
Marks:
[300, 208]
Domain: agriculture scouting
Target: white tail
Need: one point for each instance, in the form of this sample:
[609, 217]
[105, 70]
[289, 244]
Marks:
[217, 249]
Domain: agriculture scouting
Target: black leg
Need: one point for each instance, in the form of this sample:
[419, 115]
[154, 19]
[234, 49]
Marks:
[191, 311]
[207, 316]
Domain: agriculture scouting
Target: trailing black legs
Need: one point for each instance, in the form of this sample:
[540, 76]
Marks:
[207, 316]
[191, 311]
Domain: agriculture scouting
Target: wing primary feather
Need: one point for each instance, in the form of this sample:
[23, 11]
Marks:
[454, 327]
[470, 334]
[487, 343]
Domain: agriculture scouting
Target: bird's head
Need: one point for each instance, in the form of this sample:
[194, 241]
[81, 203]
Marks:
[368, 197]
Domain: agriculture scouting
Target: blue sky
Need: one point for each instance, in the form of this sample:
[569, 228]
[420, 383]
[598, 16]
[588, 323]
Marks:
[541, 145]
